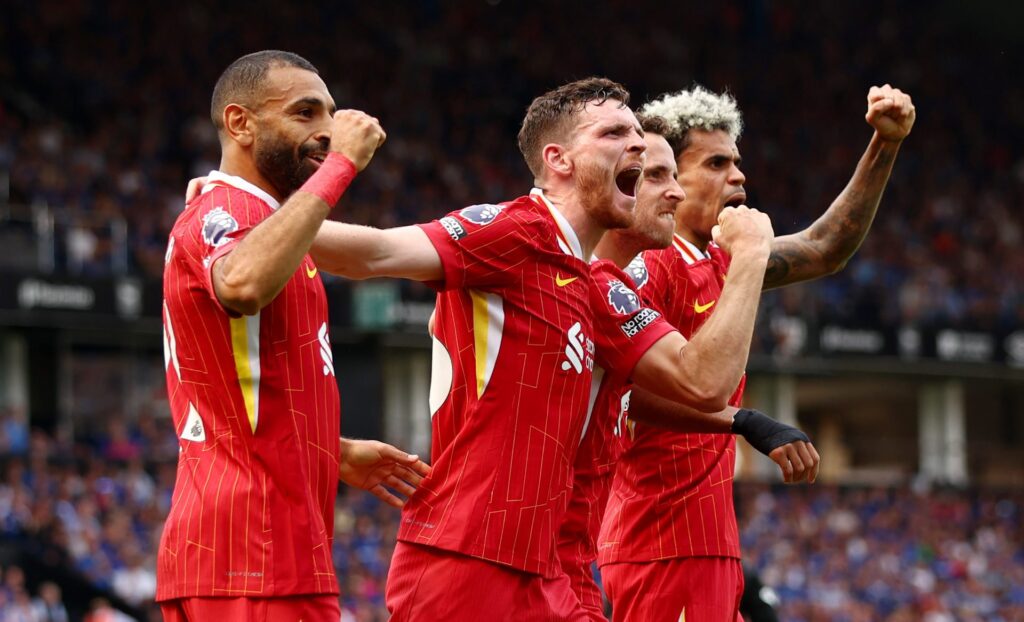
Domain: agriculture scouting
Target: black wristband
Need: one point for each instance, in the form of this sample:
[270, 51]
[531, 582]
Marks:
[763, 432]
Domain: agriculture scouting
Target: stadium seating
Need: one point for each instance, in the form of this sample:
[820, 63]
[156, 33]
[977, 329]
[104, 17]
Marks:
[451, 93]
[103, 117]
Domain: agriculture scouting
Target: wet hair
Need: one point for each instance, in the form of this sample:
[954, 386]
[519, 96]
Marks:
[243, 80]
[552, 116]
[696, 108]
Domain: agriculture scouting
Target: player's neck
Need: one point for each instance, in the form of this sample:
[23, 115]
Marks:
[618, 247]
[246, 169]
[587, 231]
[687, 234]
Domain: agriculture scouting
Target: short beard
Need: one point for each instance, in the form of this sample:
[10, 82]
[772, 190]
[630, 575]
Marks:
[647, 229]
[284, 165]
[597, 197]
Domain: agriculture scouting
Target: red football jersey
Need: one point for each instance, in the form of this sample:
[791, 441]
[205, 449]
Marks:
[255, 405]
[513, 358]
[672, 492]
[609, 401]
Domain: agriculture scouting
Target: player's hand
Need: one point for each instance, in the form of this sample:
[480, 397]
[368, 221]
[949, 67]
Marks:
[356, 135]
[195, 186]
[891, 112]
[798, 462]
[788, 447]
[377, 466]
[742, 228]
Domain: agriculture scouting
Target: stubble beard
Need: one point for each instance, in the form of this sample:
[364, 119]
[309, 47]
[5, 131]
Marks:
[647, 228]
[597, 197]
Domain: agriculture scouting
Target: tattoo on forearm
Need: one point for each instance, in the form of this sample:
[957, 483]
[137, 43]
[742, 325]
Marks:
[832, 239]
[785, 259]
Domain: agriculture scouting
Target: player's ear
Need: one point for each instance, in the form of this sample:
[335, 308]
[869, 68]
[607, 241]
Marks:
[239, 124]
[556, 159]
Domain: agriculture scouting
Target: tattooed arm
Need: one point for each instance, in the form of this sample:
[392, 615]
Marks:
[826, 246]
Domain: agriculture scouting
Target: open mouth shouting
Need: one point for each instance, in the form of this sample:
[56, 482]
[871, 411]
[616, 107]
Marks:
[628, 180]
[735, 200]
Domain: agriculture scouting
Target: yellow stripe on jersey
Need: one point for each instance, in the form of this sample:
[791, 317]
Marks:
[245, 345]
[488, 325]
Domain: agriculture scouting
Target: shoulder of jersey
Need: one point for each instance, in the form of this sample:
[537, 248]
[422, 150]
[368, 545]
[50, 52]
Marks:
[524, 211]
[661, 260]
[219, 193]
[217, 196]
[209, 214]
[617, 287]
[604, 267]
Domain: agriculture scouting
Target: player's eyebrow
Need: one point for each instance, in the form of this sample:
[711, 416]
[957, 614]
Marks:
[622, 128]
[661, 169]
[313, 102]
[724, 157]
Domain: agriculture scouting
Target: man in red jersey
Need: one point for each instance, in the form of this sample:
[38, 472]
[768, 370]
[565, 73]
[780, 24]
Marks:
[657, 199]
[514, 352]
[669, 546]
[250, 374]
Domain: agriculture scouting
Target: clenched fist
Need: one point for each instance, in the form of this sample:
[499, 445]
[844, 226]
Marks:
[356, 135]
[891, 112]
[743, 229]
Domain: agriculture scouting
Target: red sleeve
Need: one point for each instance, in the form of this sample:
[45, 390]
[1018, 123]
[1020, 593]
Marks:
[482, 245]
[219, 221]
[624, 326]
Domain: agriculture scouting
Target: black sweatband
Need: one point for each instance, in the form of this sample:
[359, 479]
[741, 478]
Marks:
[763, 432]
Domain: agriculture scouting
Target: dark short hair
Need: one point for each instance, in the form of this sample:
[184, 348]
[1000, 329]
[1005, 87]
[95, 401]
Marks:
[552, 115]
[653, 124]
[243, 79]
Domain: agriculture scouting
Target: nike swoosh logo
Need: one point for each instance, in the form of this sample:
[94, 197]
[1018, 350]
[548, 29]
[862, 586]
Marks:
[310, 273]
[699, 308]
[559, 281]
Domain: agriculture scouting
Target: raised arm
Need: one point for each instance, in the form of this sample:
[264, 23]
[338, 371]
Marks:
[359, 252]
[250, 276]
[826, 246]
[704, 372]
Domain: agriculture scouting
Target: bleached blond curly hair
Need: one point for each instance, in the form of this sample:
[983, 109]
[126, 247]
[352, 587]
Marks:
[696, 108]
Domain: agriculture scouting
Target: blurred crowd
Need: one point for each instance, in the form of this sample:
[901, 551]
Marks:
[830, 554]
[97, 507]
[896, 554]
[104, 116]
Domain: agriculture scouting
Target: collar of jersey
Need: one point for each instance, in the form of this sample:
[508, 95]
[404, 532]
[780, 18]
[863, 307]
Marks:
[215, 178]
[567, 240]
[689, 251]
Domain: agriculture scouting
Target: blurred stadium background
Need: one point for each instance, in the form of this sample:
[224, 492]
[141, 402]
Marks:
[907, 369]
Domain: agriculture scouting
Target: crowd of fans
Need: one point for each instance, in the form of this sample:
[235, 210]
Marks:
[114, 133]
[830, 554]
[104, 116]
[100, 503]
[899, 554]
